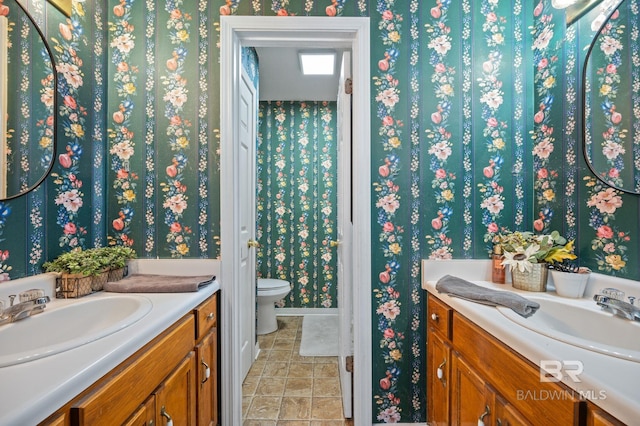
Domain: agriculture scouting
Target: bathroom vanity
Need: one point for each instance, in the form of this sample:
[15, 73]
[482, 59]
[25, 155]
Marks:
[484, 368]
[161, 369]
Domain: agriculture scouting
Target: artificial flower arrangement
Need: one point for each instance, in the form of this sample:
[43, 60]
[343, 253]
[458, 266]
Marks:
[522, 249]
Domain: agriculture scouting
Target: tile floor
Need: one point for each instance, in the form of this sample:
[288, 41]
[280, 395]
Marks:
[289, 389]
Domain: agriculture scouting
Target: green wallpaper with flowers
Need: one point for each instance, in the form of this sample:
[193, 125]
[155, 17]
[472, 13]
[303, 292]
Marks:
[297, 199]
[475, 127]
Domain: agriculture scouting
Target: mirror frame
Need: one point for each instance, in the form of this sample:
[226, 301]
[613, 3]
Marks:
[584, 105]
[54, 138]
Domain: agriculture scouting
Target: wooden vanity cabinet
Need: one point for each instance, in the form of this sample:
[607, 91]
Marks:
[471, 397]
[472, 378]
[438, 362]
[176, 396]
[171, 380]
[507, 415]
[207, 362]
[598, 417]
[145, 415]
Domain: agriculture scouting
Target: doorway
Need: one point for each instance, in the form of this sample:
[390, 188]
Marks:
[254, 31]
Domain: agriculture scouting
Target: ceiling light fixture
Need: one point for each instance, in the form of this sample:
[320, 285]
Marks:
[317, 62]
[562, 4]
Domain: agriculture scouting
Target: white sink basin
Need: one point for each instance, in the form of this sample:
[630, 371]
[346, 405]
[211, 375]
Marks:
[62, 328]
[582, 323]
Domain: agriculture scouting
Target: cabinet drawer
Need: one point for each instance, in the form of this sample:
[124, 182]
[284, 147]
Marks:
[439, 316]
[206, 316]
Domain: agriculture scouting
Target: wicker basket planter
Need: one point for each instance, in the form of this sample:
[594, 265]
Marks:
[98, 281]
[72, 286]
[115, 274]
[87, 271]
[534, 280]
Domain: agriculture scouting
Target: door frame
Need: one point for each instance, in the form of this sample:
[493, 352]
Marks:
[259, 31]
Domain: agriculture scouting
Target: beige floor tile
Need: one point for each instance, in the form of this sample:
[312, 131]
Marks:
[298, 387]
[286, 389]
[295, 408]
[325, 360]
[256, 368]
[329, 386]
[296, 357]
[283, 344]
[279, 355]
[264, 408]
[287, 323]
[298, 369]
[270, 386]
[259, 423]
[325, 370]
[246, 402]
[288, 333]
[266, 341]
[249, 385]
[325, 408]
[276, 369]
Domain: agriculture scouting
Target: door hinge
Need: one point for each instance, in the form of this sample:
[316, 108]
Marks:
[348, 86]
[349, 363]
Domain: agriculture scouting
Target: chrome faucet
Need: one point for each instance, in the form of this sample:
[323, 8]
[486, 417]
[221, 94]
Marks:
[23, 309]
[610, 299]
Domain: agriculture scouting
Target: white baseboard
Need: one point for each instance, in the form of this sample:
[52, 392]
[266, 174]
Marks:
[300, 312]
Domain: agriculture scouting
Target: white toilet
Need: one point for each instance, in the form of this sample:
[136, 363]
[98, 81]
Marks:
[270, 290]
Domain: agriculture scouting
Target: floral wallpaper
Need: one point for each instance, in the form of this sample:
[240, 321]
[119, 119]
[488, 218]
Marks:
[476, 126]
[159, 130]
[297, 199]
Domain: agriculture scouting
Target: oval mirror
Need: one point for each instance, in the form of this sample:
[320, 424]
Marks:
[611, 101]
[28, 102]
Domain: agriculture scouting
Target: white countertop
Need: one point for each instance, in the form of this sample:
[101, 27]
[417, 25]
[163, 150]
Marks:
[32, 391]
[614, 383]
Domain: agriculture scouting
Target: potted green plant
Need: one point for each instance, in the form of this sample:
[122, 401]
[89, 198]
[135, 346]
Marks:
[77, 269]
[83, 271]
[118, 258]
[529, 256]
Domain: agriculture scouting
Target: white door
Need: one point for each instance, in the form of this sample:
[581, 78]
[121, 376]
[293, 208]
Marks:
[345, 280]
[247, 224]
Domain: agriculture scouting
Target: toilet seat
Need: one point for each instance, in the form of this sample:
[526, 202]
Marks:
[272, 286]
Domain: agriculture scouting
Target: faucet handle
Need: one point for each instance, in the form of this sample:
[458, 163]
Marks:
[11, 299]
[29, 295]
[632, 299]
[613, 293]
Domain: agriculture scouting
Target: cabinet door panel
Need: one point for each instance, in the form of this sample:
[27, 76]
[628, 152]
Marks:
[469, 401]
[438, 372]
[507, 415]
[597, 417]
[175, 398]
[207, 391]
[146, 414]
